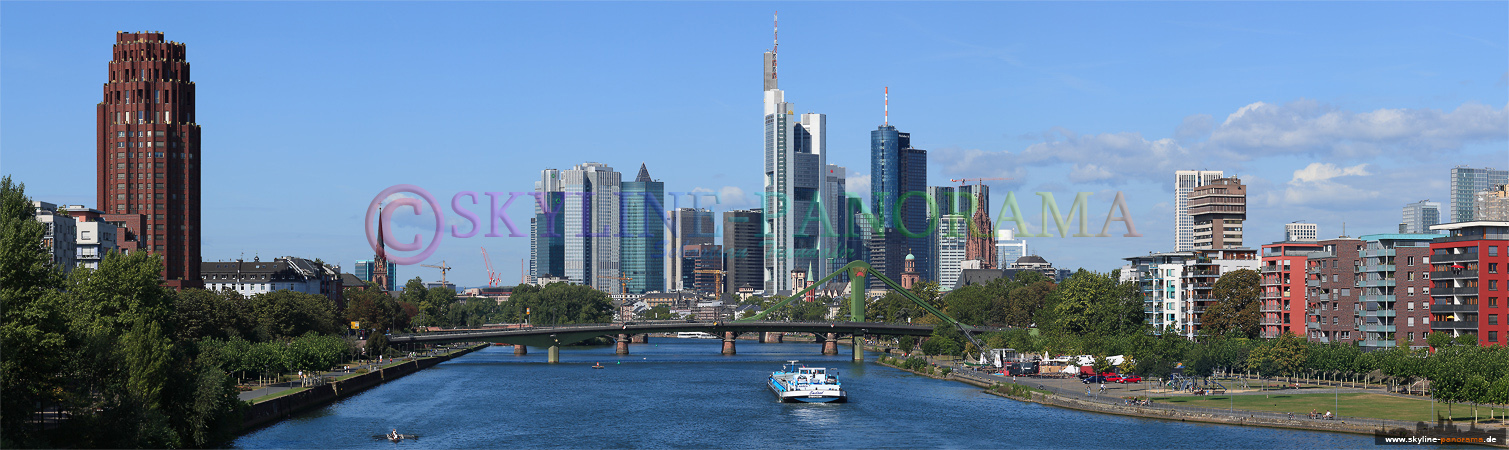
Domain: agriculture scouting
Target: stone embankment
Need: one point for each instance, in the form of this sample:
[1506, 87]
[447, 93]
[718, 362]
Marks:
[272, 410]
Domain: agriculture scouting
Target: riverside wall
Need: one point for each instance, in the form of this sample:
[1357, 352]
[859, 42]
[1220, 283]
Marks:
[272, 410]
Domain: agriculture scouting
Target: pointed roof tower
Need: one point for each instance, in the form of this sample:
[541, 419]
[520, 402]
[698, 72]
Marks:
[644, 175]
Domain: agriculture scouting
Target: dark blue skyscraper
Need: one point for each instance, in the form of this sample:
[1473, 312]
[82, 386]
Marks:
[898, 183]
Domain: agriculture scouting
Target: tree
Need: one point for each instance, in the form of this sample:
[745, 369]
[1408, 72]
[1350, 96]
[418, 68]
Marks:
[34, 332]
[1438, 340]
[1237, 307]
[286, 313]
[946, 340]
[657, 312]
[1092, 303]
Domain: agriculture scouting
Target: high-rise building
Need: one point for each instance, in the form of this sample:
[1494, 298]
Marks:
[1283, 287]
[898, 182]
[592, 235]
[1176, 286]
[1218, 209]
[643, 229]
[1332, 295]
[948, 248]
[1394, 280]
[701, 262]
[1470, 272]
[364, 271]
[688, 226]
[1185, 182]
[796, 152]
[148, 150]
[1419, 216]
[1466, 183]
[1491, 205]
[547, 239]
[838, 238]
[1301, 232]
[743, 249]
[1009, 248]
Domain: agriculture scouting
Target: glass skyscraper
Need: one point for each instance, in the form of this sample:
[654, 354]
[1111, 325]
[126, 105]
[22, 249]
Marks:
[643, 230]
[898, 184]
[796, 152]
[364, 272]
[1466, 183]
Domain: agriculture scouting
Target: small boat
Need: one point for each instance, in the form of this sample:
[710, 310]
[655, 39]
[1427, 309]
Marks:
[798, 383]
[394, 437]
[695, 335]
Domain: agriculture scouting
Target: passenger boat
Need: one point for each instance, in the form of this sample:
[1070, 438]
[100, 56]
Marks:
[798, 383]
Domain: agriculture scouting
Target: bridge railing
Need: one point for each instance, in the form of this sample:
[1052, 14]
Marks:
[578, 326]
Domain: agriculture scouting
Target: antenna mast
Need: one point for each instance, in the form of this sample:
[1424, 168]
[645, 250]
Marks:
[888, 105]
[775, 41]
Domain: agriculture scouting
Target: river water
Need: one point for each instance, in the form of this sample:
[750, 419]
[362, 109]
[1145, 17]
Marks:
[681, 393]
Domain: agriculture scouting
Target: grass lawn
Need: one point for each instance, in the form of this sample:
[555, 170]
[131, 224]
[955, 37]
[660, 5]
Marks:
[1355, 405]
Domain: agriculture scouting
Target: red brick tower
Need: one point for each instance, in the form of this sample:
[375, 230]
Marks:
[148, 155]
[980, 245]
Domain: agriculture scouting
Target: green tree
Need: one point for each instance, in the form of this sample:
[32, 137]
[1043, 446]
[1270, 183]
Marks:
[946, 340]
[34, 332]
[657, 312]
[1237, 307]
[1438, 339]
[286, 313]
[1092, 303]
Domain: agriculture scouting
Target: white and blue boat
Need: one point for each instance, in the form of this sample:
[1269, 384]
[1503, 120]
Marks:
[798, 383]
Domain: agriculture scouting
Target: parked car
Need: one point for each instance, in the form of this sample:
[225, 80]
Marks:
[1113, 378]
[1095, 379]
[1130, 379]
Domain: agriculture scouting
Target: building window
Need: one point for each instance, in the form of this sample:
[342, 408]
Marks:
[1493, 267]
[1409, 276]
[1412, 336]
[1409, 261]
[1493, 285]
[1493, 319]
[1411, 290]
[1493, 336]
[1412, 321]
[1411, 306]
[1493, 250]
[1493, 302]
[1335, 320]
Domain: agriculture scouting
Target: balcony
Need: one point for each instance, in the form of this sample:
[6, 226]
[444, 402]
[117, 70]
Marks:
[1312, 283]
[1200, 285]
[1373, 343]
[1377, 252]
[1454, 325]
[1471, 290]
[1377, 298]
[1387, 282]
[1378, 268]
[1464, 257]
[1453, 274]
[1312, 325]
[1204, 273]
[1450, 308]
[1380, 313]
[1270, 322]
[1377, 328]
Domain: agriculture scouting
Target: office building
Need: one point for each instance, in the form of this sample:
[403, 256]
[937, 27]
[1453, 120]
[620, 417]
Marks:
[953, 231]
[1466, 183]
[1470, 276]
[1301, 232]
[1034, 263]
[1218, 209]
[1008, 247]
[744, 250]
[1419, 216]
[1491, 205]
[1283, 285]
[688, 226]
[592, 234]
[838, 238]
[364, 272]
[547, 239]
[796, 152]
[898, 184]
[148, 155]
[643, 256]
[1185, 182]
[702, 268]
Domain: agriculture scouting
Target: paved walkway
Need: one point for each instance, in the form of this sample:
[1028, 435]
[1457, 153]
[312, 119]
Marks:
[371, 365]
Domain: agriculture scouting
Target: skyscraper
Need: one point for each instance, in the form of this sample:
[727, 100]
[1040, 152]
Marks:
[743, 249]
[643, 233]
[1009, 248]
[365, 268]
[148, 155]
[592, 241]
[1466, 183]
[898, 181]
[838, 237]
[795, 157]
[547, 239]
[1419, 216]
[1218, 209]
[689, 226]
[1185, 182]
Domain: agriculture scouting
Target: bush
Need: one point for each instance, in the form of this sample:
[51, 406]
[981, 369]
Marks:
[945, 371]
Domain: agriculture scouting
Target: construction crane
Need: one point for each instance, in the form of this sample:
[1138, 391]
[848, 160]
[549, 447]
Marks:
[443, 269]
[717, 279]
[492, 277]
[623, 283]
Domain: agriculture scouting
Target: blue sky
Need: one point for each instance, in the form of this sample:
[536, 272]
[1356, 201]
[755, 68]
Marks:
[1331, 112]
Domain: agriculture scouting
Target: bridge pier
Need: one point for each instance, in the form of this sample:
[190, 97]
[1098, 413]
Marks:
[859, 348]
[554, 355]
[728, 342]
[519, 350]
[640, 339]
[770, 337]
[621, 345]
[830, 343]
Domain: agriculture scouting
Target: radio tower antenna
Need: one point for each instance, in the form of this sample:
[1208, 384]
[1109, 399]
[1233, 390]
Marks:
[775, 48]
[888, 105]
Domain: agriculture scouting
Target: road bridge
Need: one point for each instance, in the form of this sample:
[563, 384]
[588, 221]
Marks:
[553, 337]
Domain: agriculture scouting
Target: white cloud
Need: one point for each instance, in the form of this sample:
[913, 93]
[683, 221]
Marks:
[1320, 184]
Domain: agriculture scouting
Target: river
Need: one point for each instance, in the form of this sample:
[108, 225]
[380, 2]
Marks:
[681, 393]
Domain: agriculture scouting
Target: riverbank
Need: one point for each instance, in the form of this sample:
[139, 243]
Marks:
[1049, 396]
[271, 410]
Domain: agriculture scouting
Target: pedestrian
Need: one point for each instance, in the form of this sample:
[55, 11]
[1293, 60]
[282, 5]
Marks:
[1087, 391]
